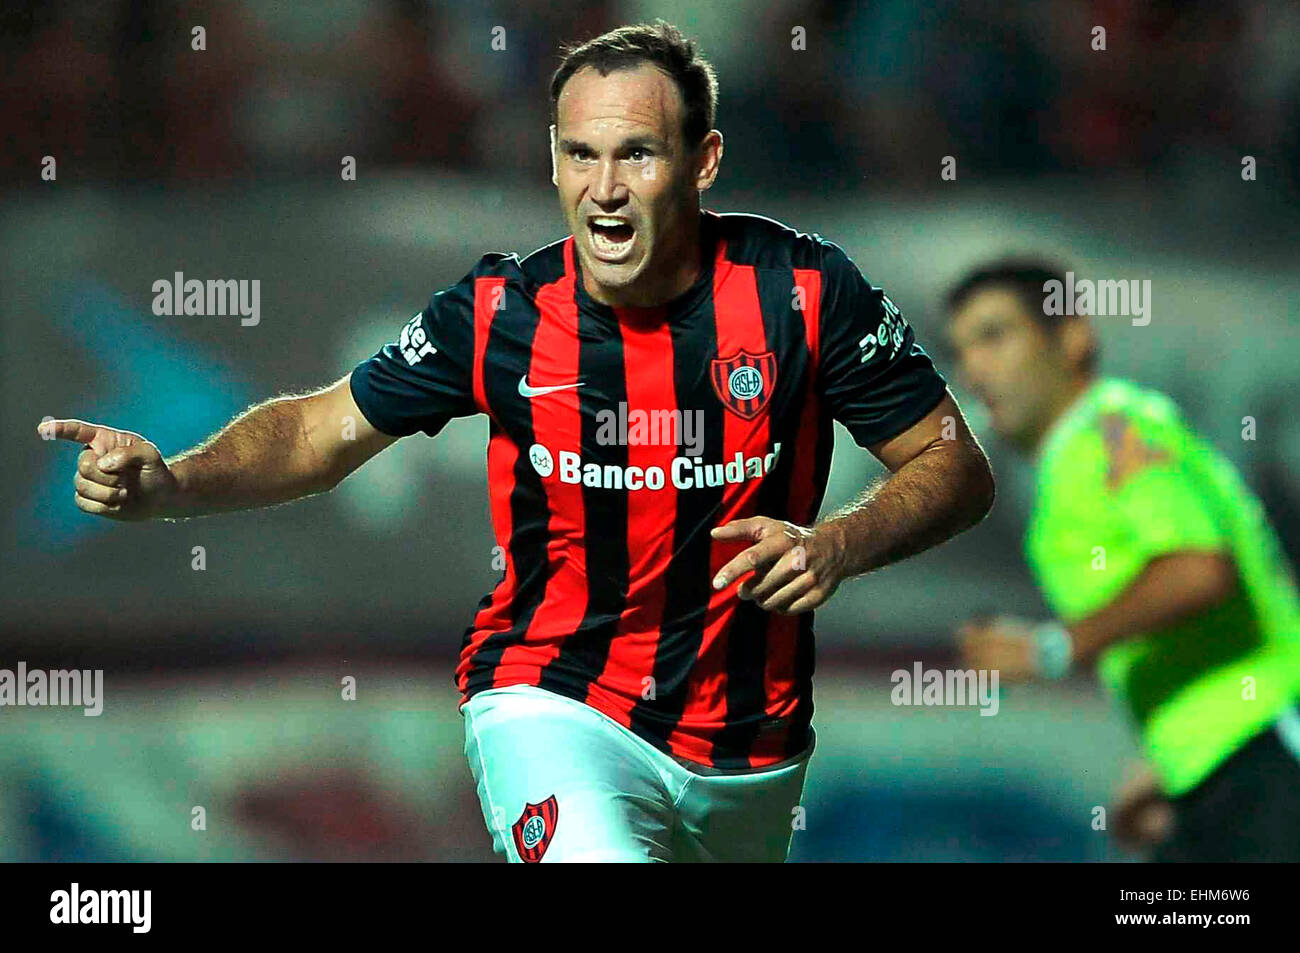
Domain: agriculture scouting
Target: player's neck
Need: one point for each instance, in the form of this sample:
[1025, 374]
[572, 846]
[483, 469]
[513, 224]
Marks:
[1065, 400]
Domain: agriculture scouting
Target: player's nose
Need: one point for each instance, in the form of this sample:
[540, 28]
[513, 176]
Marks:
[607, 188]
[973, 372]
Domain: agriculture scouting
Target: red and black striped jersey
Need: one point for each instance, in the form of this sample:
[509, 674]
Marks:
[620, 437]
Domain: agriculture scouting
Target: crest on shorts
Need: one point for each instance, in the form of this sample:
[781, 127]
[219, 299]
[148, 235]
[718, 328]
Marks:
[744, 381]
[535, 828]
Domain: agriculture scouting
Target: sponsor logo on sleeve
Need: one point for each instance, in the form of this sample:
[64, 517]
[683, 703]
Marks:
[414, 343]
[888, 333]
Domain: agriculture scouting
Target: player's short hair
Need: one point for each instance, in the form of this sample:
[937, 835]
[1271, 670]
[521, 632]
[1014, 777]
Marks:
[661, 44]
[1026, 278]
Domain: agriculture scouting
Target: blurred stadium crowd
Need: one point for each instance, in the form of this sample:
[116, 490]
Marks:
[116, 86]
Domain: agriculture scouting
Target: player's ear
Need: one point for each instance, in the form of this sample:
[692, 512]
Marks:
[710, 160]
[555, 177]
[1079, 341]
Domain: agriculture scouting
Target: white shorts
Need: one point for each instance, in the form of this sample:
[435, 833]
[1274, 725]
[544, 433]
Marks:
[560, 781]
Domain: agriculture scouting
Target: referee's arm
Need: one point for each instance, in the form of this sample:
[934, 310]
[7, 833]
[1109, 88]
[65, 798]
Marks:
[1172, 588]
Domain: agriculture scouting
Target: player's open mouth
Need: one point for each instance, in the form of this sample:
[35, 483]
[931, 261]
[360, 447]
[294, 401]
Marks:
[611, 238]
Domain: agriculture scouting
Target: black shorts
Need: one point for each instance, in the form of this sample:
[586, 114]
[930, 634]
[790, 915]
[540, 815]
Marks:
[1248, 809]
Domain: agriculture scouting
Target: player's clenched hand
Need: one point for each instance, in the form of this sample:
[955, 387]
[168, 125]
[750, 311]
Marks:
[1002, 643]
[795, 569]
[120, 475]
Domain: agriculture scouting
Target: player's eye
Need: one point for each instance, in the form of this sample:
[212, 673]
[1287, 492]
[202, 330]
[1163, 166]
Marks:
[637, 155]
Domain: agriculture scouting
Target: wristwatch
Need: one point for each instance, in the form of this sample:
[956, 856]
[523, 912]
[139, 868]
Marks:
[1053, 649]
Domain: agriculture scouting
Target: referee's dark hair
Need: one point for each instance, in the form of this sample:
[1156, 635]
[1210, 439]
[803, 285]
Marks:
[661, 44]
[1026, 278]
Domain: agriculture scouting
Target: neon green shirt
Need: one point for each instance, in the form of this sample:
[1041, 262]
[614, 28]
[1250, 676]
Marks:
[1122, 479]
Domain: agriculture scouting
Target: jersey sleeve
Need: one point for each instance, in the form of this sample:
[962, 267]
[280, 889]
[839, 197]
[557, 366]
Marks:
[1160, 504]
[424, 377]
[1118, 500]
[876, 380]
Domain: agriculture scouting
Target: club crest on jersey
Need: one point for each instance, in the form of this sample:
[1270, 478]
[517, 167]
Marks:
[535, 828]
[744, 382]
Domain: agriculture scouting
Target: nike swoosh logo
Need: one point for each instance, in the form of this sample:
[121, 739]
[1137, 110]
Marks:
[526, 390]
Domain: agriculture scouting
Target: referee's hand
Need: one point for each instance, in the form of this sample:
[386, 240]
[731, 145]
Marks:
[793, 569]
[1142, 817]
[1001, 643]
[120, 475]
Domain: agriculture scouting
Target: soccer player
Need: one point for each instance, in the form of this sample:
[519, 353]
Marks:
[638, 685]
[1160, 566]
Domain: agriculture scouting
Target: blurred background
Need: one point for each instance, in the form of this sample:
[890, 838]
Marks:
[223, 685]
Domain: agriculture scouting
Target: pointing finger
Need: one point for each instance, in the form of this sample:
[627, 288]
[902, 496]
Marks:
[78, 431]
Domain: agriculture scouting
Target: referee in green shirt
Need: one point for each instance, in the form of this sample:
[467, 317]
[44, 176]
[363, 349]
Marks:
[1158, 563]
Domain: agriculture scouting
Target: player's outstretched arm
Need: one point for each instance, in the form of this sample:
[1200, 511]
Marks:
[279, 450]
